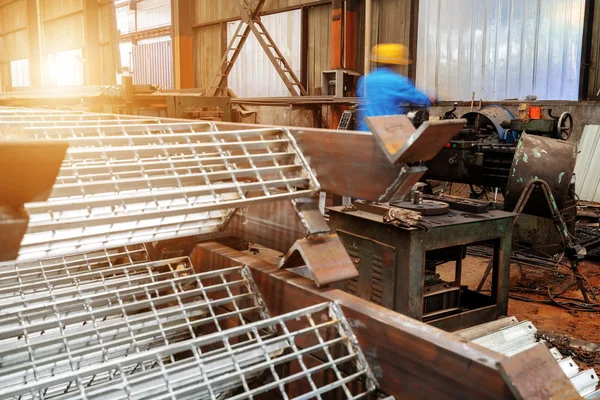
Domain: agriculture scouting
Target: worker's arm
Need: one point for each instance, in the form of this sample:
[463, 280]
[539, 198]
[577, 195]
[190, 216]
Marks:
[407, 93]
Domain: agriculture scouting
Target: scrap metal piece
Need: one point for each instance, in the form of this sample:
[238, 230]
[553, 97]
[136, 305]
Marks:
[402, 143]
[310, 215]
[534, 375]
[321, 258]
[541, 158]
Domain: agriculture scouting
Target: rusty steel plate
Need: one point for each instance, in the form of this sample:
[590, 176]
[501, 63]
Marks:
[324, 257]
[534, 374]
[538, 157]
[30, 169]
[402, 143]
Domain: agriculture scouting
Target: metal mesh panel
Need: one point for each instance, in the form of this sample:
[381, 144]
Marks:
[126, 182]
[124, 328]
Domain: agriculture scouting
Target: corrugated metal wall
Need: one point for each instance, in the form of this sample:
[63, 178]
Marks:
[152, 64]
[319, 45]
[392, 17]
[63, 25]
[253, 74]
[587, 186]
[208, 52]
[500, 49]
[14, 41]
[391, 23]
[110, 57]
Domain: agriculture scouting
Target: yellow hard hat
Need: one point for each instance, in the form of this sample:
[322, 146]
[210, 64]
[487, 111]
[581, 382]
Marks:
[390, 53]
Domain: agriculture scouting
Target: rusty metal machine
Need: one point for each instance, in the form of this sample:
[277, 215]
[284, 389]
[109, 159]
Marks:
[497, 150]
[128, 283]
[482, 153]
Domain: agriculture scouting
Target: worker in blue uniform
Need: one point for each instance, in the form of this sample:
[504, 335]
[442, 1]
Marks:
[384, 90]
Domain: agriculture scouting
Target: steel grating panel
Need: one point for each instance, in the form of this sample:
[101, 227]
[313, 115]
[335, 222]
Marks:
[124, 183]
[134, 329]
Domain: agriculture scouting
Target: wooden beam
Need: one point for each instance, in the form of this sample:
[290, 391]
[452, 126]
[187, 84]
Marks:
[93, 75]
[34, 30]
[182, 13]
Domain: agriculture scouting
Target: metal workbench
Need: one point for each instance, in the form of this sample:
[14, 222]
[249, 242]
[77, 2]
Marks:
[391, 261]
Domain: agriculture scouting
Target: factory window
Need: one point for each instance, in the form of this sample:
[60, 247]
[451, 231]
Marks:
[65, 68]
[500, 49]
[253, 74]
[19, 73]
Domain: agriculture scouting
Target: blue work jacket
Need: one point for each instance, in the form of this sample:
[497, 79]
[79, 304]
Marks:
[386, 91]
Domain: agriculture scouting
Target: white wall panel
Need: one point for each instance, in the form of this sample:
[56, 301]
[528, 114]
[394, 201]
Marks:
[253, 75]
[153, 13]
[152, 63]
[500, 49]
[587, 167]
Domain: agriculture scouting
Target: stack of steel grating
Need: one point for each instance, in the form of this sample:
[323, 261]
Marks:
[112, 324]
[126, 180]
